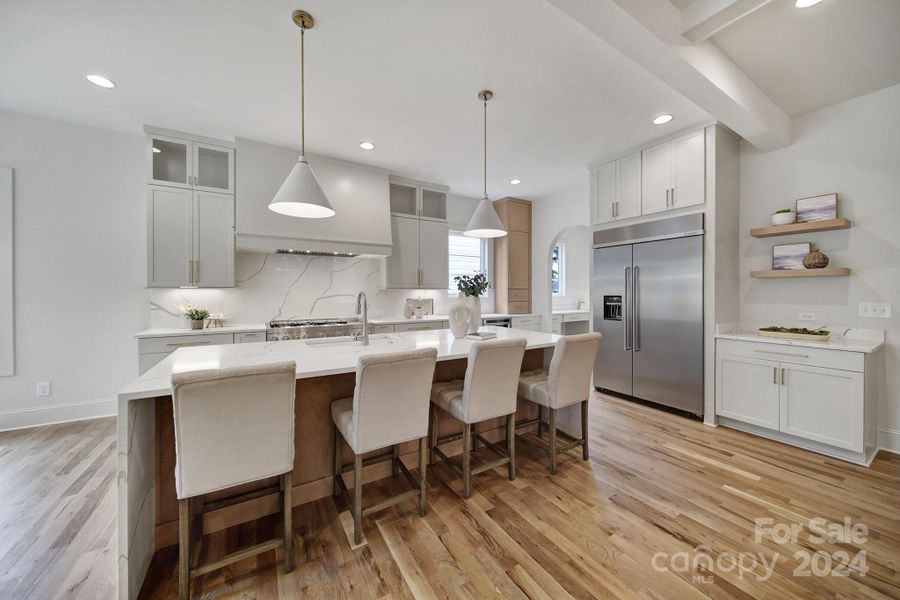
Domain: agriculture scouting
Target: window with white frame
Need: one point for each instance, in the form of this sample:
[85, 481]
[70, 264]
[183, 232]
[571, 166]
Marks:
[468, 256]
[558, 270]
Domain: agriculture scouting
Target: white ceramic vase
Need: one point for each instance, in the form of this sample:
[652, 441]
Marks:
[785, 218]
[459, 319]
[473, 303]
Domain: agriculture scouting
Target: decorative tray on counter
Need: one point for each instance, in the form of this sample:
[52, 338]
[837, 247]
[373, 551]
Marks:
[796, 333]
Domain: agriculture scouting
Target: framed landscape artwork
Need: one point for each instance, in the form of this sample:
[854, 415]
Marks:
[817, 208]
[789, 256]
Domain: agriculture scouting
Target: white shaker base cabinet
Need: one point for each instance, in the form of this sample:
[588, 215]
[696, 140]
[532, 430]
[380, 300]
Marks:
[817, 398]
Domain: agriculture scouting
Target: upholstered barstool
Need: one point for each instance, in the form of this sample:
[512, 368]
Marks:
[488, 391]
[565, 383]
[389, 407]
[232, 426]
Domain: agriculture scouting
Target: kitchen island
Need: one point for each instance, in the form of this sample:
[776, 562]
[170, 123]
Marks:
[148, 513]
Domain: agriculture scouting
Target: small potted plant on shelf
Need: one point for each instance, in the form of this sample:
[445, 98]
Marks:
[194, 314]
[471, 287]
[784, 216]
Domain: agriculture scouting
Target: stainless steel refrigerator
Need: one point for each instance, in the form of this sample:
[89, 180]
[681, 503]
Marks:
[648, 304]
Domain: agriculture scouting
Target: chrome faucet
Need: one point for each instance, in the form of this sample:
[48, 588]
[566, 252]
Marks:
[362, 305]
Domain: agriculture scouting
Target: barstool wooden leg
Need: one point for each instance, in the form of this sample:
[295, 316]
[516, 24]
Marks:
[467, 459]
[540, 421]
[338, 464]
[423, 484]
[184, 549]
[395, 467]
[432, 455]
[357, 499]
[287, 482]
[585, 453]
[511, 444]
[552, 440]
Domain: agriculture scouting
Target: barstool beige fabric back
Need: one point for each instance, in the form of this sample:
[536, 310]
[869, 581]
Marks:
[232, 426]
[488, 391]
[566, 382]
[389, 406]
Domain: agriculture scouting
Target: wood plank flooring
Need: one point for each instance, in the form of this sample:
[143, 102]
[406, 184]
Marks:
[658, 489]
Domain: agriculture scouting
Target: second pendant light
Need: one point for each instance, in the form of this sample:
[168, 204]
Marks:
[484, 222]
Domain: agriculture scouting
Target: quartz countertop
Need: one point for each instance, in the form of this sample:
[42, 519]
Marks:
[314, 358]
[572, 311]
[432, 318]
[166, 332]
[854, 340]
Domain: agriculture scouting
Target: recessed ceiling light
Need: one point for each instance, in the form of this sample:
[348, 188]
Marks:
[515, 181]
[156, 150]
[367, 145]
[662, 119]
[101, 81]
[805, 3]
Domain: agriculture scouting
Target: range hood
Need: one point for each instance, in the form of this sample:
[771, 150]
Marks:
[359, 194]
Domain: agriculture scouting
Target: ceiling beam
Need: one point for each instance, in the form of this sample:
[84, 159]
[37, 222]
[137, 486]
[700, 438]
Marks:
[702, 19]
[649, 33]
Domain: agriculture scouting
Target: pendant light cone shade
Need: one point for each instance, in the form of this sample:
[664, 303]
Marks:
[301, 195]
[484, 222]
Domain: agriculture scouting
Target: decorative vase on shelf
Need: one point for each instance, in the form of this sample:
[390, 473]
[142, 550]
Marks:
[815, 260]
[197, 323]
[473, 303]
[784, 218]
[459, 315]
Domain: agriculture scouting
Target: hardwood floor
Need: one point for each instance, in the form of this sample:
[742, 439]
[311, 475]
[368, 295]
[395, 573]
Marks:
[657, 488]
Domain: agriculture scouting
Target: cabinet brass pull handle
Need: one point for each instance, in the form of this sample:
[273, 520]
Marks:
[775, 375]
[782, 376]
[196, 271]
[673, 197]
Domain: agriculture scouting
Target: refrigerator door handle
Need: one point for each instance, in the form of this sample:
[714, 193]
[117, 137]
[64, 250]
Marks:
[635, 311]
[625, 329]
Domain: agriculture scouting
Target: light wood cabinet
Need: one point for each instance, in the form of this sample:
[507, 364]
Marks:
[673, 174]
[190, 238]
[420, 255]
[512, 258]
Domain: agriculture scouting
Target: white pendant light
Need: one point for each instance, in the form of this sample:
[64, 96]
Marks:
[484, 222]
[301, 195]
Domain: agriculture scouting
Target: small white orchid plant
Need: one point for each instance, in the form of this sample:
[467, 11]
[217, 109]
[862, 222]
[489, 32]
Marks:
[192, 312]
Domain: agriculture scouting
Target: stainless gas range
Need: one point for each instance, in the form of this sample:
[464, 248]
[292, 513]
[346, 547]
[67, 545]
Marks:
[301, 329]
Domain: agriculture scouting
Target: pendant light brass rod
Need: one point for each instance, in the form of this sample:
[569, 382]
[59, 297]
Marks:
[302, 96]
[485, 148]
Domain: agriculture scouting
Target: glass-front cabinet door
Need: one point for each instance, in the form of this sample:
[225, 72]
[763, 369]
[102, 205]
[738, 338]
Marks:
[434, 204]
[170, 162]
[213, 168]
[404, 200]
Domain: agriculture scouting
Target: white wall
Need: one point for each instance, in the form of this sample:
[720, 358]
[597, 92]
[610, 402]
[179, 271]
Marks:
[852, 148]
[79, 267]
[551, 215]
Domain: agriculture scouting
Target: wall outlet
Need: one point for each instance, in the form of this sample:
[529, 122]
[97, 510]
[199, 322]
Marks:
[43, 389]
[875, 310]
[807, 316]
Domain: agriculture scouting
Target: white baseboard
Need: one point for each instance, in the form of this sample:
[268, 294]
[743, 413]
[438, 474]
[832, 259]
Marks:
[60, 413]
[889, 440]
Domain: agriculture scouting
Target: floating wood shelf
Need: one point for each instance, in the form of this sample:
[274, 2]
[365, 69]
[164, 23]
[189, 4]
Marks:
[773, 230]
[827, 272]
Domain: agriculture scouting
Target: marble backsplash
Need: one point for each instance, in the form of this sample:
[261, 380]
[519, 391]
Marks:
[280, 286]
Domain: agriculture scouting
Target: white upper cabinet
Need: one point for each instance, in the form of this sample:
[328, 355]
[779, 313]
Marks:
[674, 174]
[170, 234]
[604, 187]
[434, 255]
[616, 188]
[403, 263]
[689, 184]
[213, 239]
[186, 163]
[416, 199]
[628, 186]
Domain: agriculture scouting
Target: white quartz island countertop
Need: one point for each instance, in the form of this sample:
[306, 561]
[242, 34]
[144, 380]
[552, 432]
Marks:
[314, 358]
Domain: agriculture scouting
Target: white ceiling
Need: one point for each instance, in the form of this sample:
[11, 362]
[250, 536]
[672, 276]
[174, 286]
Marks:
[403, 74]
[804, 59]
